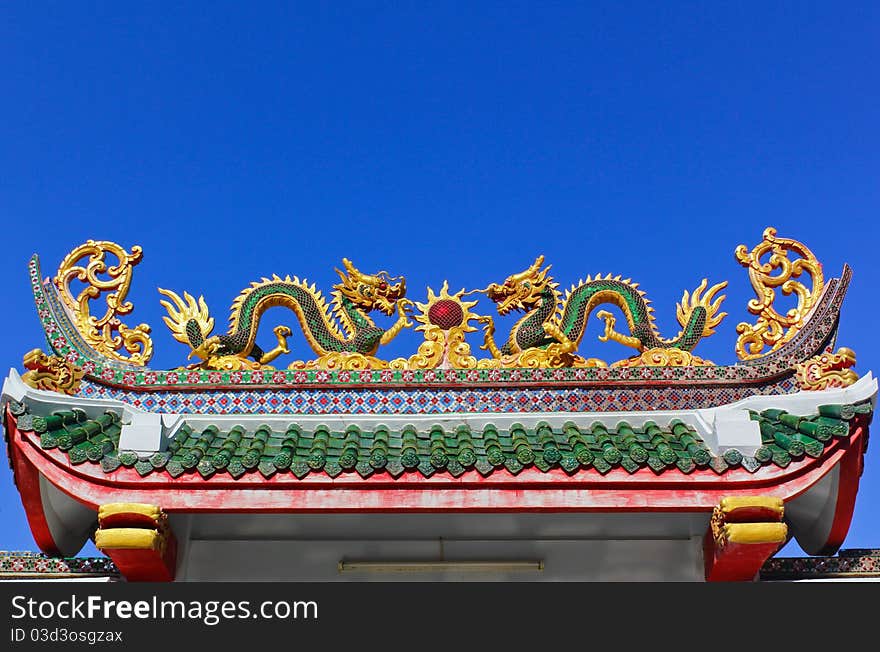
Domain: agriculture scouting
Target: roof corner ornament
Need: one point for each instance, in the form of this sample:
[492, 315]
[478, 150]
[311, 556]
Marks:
[106, 334]
[827, 370]
[51, 372]
[772, 328]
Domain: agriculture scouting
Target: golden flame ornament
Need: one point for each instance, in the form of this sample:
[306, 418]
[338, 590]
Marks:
[444, 319]
[664, 358]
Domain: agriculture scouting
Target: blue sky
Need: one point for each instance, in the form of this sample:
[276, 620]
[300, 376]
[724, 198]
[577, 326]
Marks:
[441, 141]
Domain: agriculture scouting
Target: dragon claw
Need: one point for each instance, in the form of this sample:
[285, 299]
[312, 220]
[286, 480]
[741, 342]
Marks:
[282, 333]
[610, 320]
[405, 309]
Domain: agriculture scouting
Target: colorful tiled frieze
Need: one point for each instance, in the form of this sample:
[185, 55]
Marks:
[439, 400]
[849, 563]
[24, 564]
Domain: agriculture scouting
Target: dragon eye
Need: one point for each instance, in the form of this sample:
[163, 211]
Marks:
[509, 282]
[383, 285]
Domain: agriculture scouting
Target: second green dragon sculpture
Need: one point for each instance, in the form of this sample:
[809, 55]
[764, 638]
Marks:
[556, 324]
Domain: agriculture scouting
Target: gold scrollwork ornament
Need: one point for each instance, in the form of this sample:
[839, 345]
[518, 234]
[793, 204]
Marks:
[106, 334]
[658, 357]
[772, 328]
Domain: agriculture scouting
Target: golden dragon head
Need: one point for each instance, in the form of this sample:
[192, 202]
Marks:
[370, 292]
[521, 291]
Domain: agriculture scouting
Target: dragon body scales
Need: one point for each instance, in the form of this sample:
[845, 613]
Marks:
[551, 318]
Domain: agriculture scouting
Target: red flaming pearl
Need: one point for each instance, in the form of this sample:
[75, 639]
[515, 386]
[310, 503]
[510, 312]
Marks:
[446, 314]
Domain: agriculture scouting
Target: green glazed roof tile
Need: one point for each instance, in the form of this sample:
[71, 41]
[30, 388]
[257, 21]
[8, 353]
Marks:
[672, 447]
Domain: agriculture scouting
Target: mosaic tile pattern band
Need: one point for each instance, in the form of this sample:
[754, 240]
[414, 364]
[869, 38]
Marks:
[856, 562]
[434, 401]
[27, 563]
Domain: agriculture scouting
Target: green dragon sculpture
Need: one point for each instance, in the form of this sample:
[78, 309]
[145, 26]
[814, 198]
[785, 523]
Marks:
[353, 334]
[556, 324]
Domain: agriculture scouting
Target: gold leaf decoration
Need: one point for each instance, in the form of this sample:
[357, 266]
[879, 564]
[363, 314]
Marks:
[339, 361]
[444, 319]
[664, 358]
[51, 372]
[827, 370]
[774, 329]
[106, 334]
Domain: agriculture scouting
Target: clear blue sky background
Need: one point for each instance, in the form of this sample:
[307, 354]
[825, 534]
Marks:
[440, 141]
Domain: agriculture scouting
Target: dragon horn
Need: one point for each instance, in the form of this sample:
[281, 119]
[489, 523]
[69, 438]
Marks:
[357, 274]
[386, 276]
[522, 276]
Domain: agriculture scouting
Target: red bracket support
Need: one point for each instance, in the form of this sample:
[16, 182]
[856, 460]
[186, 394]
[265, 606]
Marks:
[744, 533]
[138, 539]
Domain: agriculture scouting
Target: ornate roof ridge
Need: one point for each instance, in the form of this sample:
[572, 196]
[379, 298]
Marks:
[546, 339]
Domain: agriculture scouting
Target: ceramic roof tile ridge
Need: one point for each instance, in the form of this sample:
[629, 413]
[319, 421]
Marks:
[659, 445]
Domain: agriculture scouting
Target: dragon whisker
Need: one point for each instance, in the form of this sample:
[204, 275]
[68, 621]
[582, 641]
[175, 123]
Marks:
[482, 290]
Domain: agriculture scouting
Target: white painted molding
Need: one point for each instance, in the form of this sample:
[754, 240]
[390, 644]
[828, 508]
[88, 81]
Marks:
[142, 433]
[15, 388]
[734, 428]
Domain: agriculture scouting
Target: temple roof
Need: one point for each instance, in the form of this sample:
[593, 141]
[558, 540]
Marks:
[544, 366]
[535, 427]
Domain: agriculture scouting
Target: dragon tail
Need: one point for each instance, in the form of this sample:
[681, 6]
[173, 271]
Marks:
[684, 311]
[188, 319]
[698, 315]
